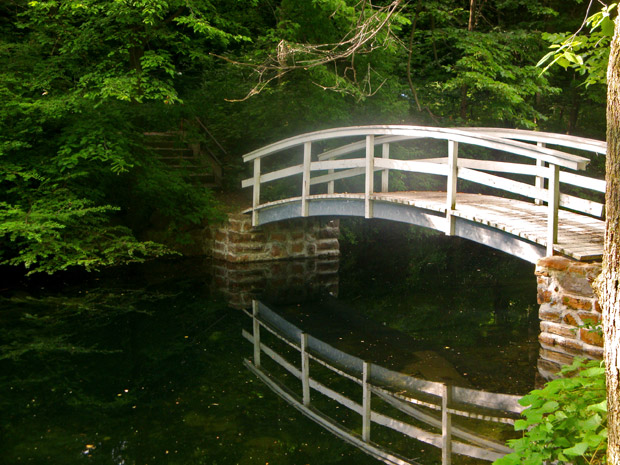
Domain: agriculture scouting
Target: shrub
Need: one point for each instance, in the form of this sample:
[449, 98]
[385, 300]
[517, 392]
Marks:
[566, 421]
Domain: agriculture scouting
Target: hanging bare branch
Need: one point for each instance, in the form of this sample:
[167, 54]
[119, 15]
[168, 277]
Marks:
[371, 32]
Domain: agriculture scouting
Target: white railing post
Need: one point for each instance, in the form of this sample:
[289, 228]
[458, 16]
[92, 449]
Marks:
[366, 410]
[370, 175]
[453, 155]
[540, 180]
[256, 192]
[446, 425]
[256, 333]
[553, 203]
[305, 369]
[305, 187]
[385, 174]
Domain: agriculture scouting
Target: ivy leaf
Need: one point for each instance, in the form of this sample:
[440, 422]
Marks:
[601, 407]
[577, 449]
[607, 26]
[521, 425]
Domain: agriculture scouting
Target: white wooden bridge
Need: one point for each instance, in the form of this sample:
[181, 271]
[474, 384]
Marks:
[517, 194]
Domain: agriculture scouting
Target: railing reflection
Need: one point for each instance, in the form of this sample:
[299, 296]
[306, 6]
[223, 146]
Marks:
[410, 407]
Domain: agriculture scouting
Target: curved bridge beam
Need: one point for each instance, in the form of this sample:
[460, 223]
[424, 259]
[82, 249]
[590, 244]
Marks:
[349, 206]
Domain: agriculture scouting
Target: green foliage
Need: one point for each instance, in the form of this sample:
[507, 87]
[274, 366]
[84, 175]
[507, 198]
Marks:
[566, 421]
[78, 187]
[588, 53]
[55, 234]
[499, 78]
[482, 76]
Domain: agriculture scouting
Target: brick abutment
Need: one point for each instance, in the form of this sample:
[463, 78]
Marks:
[569, 313]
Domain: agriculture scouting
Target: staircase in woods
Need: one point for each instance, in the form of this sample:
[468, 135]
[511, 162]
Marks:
[186, 151]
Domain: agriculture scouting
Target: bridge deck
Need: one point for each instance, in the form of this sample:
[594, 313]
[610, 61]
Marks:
[579, 237]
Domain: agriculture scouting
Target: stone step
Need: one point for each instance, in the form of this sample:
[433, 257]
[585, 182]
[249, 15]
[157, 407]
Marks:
[171, 149]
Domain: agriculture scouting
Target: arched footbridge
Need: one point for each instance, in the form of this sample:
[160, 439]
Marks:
[514, 190]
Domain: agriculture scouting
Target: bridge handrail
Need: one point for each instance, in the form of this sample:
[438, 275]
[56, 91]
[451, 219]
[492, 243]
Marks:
[468, 170]
[555, 157]
[580, 143]
[565, 140]
[452, 167]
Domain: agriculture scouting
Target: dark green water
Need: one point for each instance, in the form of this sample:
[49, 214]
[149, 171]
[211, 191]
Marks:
[144, 365]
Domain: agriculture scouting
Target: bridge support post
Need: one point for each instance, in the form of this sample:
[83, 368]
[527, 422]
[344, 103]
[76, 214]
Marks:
[553, 205]
[385, 174]
[446, 425]
[256, 192]
[305, 189]
[305, 369]
[256, 333]
[453, 154]
[370, 175]
[330, 184]
[540, 180]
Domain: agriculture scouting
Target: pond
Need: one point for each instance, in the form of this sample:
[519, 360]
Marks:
[144, 365]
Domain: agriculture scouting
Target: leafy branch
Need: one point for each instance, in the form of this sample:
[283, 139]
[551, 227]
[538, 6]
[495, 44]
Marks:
[586, 53]
[566, 421]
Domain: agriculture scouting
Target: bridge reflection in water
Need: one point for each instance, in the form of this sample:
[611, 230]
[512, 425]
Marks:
[297, 366]
[283, 280]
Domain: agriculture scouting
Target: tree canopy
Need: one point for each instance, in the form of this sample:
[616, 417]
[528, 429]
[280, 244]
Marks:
[83, 80]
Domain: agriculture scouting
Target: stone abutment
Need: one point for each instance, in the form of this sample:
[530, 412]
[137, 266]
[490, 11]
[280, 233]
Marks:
[569, 313]
[237, 241]
[298, 257]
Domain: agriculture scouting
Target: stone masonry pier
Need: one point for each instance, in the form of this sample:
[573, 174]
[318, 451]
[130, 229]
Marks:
[568, 309]
[237, 241]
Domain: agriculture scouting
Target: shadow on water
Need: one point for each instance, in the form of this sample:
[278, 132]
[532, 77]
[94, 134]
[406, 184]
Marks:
[144, 365]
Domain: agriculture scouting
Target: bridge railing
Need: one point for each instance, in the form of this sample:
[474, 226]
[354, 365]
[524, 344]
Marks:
[547, 174]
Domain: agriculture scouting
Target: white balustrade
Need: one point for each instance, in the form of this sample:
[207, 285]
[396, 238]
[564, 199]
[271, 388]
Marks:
[548, 165]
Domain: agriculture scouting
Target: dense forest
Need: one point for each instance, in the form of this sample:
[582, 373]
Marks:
[83, 81]
[86, 83]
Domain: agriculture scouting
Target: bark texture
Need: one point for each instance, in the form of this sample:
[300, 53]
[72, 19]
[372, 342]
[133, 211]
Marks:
[609, 280]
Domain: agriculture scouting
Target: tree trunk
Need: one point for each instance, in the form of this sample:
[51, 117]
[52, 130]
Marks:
[472, 15]
[608, 284]
[414, 92]
[573, 114]
[470, 27]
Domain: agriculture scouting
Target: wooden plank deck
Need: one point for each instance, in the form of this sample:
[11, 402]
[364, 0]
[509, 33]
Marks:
[579, 237]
